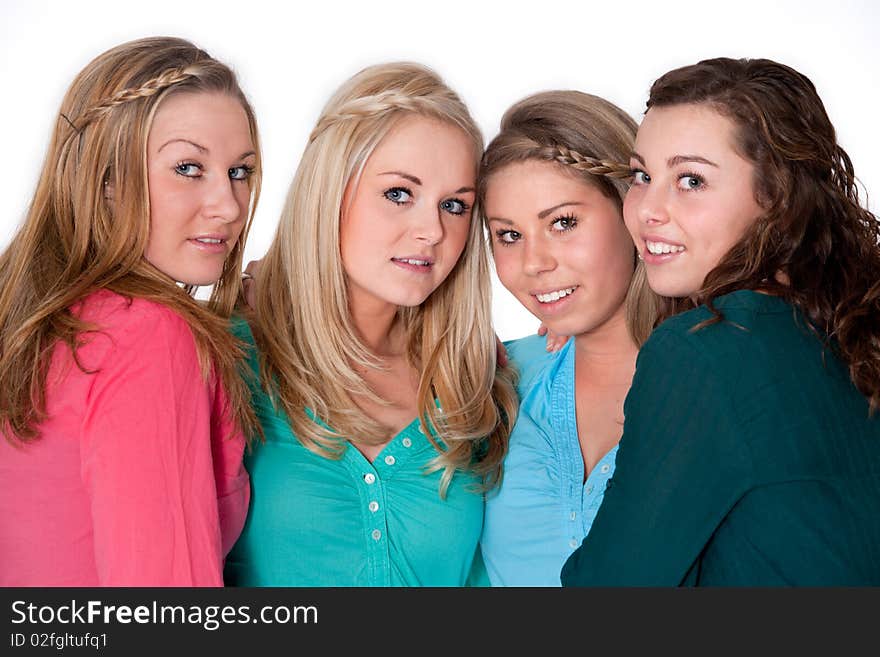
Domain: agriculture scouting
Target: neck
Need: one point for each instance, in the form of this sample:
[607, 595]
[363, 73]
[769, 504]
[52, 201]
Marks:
[607, 352]
[376, 324]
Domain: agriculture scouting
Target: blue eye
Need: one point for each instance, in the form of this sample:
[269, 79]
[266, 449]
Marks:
[454, 206]
[640, 177]
[398, 195]
[507, 237]
[242, 172]
[689, 182]
[562, 224]
[188, 169]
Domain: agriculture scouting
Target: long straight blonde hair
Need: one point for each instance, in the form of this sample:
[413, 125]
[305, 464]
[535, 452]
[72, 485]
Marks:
[308, 343]
[73, 242]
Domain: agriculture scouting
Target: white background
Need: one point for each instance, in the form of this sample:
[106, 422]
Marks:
[290, 58]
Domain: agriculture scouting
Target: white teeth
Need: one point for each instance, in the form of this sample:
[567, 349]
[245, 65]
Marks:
[410, 261]
[209, 240]
[659, 248]
[555, 296]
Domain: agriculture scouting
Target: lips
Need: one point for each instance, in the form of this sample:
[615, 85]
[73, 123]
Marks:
[549, 296]
[213, 243]
[416, 264]
[659, 250]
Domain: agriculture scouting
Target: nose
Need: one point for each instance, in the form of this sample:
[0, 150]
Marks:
[647, 204]
[537, 257]
[429, 227]
[221, 202]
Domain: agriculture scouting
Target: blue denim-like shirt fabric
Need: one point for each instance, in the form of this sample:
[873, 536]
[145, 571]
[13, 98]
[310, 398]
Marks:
[544, 508]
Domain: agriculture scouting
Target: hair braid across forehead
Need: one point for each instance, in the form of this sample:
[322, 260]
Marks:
[149, 88]
[591, 165]
[373, 105]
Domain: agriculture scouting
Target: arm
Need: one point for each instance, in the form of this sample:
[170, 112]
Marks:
[680, 469]
[146, 457]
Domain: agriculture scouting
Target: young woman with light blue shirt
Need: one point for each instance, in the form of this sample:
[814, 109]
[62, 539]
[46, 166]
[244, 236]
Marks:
[551, 191]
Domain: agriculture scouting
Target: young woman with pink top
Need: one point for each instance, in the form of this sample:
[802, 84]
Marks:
[121, 407]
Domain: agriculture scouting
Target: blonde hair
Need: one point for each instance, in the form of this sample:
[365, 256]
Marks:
[591, 138]
[308, 343]
[73, 242]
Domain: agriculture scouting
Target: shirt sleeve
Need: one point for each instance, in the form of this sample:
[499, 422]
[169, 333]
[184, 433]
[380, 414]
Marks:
[146, 456]
[680, 469]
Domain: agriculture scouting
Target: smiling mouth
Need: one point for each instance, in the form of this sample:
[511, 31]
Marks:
[556, 295]
[663, 248]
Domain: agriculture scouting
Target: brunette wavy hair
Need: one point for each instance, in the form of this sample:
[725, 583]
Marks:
[814, 245]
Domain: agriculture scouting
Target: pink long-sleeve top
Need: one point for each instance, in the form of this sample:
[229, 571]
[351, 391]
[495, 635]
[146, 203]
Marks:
[137, 477]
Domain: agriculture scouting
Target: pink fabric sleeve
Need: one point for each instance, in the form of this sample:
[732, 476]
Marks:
[146, 456]
[233, 483]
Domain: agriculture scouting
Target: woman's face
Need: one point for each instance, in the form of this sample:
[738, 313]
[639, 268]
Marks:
[199, 159]
[692, 196]
[560, 246]
[406, 221]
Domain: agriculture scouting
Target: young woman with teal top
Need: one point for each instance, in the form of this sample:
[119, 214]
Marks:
[751, 450]
[552, 193]
[375, 359]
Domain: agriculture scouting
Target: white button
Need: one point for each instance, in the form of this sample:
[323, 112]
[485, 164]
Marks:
[421, 431]
[573, 515]
[369, 477]
[389, 460]
[407, 442]
[374, 506]
[589, 489]
[376, 534]
[573, 543]
[605, 468]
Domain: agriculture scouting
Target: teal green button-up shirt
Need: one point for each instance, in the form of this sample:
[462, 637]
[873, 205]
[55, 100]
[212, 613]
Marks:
[315, 521]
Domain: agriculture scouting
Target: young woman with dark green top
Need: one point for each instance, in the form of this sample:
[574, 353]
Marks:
[751, 447]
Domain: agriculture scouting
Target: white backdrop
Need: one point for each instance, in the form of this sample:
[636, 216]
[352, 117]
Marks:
[290, 58]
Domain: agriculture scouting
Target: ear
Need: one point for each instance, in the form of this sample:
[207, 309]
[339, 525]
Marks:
[108, 190]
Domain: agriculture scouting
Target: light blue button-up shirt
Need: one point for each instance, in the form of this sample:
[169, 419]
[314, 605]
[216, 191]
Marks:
[544, 508]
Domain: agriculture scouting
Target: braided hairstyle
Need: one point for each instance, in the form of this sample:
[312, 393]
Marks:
[591, 139]
[310, 349]
[74, 241]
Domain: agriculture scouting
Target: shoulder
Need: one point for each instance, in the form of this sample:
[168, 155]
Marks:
[113, 312]
[133, 326]
[530, 358]
[732, 340]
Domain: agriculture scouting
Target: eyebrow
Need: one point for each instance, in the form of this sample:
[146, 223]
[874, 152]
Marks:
[202, 149]
[541, 215]
[409, 177]
[677, 159]
[417, 181]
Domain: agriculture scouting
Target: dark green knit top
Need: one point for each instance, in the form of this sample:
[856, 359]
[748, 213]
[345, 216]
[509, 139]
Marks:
[748, 458]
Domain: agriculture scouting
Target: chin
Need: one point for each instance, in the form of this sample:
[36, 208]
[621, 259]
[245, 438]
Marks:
[410, 301]
[198, 280]
[673, 289]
